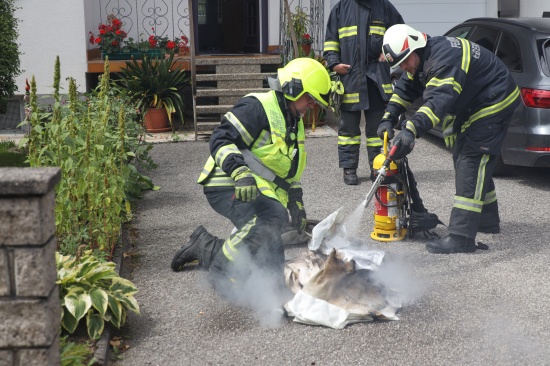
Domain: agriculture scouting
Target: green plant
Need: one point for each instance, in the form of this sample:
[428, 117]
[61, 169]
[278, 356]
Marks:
[301, 23]
[11, 155]
[110, 37]
[9, 54]
[97, 140]
[75, 354]
[306, 39]
[92, 289]
[154, 83]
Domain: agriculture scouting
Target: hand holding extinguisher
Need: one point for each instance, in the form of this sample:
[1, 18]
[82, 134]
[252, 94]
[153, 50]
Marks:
[383, 170]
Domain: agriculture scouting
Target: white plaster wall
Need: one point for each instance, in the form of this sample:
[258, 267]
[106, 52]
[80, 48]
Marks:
[435, 17]
[533, 8]
[60, 27]
[50, 28]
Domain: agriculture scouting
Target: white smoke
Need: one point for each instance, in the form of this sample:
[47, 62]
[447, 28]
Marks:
[262, 290]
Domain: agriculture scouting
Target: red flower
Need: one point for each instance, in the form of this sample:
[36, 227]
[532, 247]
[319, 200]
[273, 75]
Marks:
[152, 41]
[170, 45]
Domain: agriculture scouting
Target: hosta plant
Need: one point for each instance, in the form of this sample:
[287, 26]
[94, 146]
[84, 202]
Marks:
[92, 289]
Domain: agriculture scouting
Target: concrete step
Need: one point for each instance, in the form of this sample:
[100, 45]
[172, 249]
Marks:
[222, 109]
[228, 92]
[242, 60]
[237, 76]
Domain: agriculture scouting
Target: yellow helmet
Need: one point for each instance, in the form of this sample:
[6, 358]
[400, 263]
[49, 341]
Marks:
[305, 75]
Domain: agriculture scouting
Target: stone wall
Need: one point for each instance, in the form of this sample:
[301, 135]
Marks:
[30, 310]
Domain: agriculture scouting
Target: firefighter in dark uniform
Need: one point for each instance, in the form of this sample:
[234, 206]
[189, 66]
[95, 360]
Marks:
[471, 92]
[252, 177]
[352, 46]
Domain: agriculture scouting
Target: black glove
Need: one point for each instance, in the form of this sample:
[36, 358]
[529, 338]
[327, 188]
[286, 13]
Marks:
[385, 126]
[245, 184]
[296, 208]
[405, 144]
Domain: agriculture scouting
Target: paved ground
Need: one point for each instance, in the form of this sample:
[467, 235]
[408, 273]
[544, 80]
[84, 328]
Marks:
[487, 308]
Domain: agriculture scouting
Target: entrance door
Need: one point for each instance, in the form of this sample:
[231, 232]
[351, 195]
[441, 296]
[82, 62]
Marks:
[228, 26]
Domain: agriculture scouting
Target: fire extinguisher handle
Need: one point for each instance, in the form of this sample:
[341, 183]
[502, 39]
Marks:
[390, 156]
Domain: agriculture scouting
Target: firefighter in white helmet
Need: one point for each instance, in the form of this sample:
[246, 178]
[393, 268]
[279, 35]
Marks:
[252, 176]
[470, 91]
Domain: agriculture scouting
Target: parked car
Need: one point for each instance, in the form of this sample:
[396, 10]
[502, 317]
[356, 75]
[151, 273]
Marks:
[523, 44]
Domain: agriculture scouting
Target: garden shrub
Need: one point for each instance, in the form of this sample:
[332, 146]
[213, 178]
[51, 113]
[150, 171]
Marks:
[98, 143]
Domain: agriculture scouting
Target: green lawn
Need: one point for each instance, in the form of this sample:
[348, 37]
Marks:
[11, 156]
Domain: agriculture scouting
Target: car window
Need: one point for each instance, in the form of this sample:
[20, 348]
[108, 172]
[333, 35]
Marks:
[508, 52]
[543, 48]
[485, 37]
[460, 32]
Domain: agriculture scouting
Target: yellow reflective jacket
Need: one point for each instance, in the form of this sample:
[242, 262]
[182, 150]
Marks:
[269, 147]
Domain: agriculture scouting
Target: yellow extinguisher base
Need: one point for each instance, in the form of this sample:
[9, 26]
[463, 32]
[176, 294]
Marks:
[388, 235]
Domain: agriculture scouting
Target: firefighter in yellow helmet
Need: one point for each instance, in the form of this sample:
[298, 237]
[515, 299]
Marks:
[252, 176]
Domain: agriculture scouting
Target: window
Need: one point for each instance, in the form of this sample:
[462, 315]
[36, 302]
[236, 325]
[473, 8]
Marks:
[508, 52]
[485, 37]
[543, 47]
[201, 11]
[461, 32]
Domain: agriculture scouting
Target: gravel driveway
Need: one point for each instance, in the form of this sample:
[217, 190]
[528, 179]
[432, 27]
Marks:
[487, 308]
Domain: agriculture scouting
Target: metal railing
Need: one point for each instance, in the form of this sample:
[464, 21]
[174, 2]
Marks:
[316, 26]
[144, 18]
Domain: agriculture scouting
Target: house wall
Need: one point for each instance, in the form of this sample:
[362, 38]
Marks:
[61, 27]
[435, 17]
[50, 28]
[533, 8]
[444, 13]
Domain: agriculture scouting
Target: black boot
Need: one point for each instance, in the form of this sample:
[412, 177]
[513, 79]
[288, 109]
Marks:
[452, 244]
[350, 177]
[421, 221]
[190, 251]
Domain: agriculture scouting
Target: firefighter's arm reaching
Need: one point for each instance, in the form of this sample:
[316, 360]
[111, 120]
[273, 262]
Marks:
[442, 90]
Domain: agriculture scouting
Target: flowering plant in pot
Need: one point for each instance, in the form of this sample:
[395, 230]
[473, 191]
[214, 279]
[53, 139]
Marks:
[110, 37]
[306, 42]
[306, 39]
[183, 45]
[154, 84]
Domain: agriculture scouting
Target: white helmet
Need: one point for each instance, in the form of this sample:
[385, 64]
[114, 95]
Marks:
[400, 41]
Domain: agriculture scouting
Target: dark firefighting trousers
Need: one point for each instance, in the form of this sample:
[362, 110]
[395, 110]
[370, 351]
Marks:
[257, 241]
[474, 157]
[349, 132]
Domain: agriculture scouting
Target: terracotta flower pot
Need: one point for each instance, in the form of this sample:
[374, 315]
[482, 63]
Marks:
[306, 48]
[156, 120]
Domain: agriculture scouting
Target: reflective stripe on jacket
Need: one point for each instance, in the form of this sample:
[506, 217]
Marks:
[287, 162]
[354, 35]
[457, 78]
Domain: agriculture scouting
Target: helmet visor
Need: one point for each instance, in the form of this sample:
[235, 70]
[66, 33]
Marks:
[392, 58]
[323, 103]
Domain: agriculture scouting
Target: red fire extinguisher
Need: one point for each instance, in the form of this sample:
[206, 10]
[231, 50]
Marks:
[387, 206]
